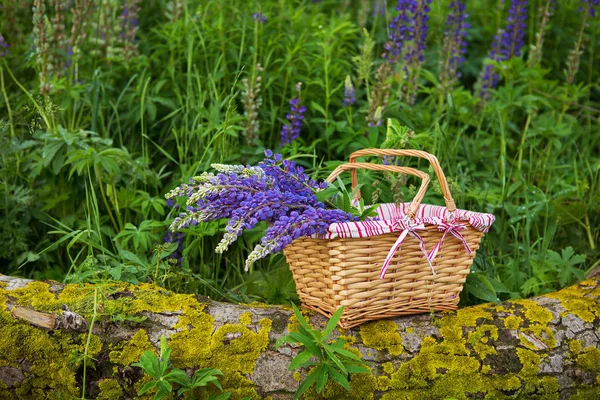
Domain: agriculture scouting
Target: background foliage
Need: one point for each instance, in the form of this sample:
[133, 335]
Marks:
[106, 106]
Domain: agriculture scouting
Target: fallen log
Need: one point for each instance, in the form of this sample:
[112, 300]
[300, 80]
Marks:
[54, 335]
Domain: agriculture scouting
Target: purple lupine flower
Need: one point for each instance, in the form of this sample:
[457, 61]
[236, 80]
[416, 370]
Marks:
[349, 95]
[3, 47]
[402, 29]
[259, 17]
[291, 130]
[276, 191]
[416, 49]
[514, 34]
[455, 44]
[415, 52]
[179, 238]
[590, 7]
[507, 44]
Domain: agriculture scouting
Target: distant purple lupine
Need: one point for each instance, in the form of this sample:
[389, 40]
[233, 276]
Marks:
[416, 49]
[3, 47]
[179, 238]
[291, 130]
[379, 7]
[507, 44]
[591, 7]
[415, 54]
[349, 94]
[455, 43]
[402, 30]
[259, 17]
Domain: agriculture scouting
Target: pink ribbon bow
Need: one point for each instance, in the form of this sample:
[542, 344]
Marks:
[408, 228]
[452, 228]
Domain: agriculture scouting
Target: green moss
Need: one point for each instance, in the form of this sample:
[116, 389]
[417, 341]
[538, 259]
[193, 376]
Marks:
[109, 390]
[589, 360]
[382, 335]
[512, 322]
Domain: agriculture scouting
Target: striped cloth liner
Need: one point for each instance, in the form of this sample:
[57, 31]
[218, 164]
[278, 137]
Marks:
[389, 214]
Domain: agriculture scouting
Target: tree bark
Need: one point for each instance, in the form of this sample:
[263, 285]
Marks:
[52, 335]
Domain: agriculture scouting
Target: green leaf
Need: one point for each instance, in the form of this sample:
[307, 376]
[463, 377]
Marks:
[326, 194]
[300, 359]
[479, 286]
[146, 387]
[333, 321]
[334, 358]
[310, 379]
[179, 377]
[321, 378]
[342, 380]
[300, 318]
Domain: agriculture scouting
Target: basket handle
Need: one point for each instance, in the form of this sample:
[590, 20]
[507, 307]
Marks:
[414, 205]
[411, 153]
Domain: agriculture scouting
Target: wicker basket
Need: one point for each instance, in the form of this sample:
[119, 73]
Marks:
[426, 266]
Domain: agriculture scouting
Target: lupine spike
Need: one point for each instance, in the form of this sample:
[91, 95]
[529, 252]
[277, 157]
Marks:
[507, 44]
[455, 44]
[291, 130]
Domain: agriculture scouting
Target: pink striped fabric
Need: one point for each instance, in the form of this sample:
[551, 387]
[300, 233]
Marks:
[388, 216]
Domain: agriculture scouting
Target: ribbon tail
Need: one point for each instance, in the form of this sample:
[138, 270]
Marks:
[390, 255]
[462, 239]
[424, 250]
[433, 253]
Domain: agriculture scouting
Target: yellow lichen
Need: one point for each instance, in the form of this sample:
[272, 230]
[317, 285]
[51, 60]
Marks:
[382, 335]
[246, 318]
[297, 376]
[109, 390]
[388, 368]
[126, 353]
[580, 300]
[575, 346]
[589, 360]
[479, 338]
[512, 322]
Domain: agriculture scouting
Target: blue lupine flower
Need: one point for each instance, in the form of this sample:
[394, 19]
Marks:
[3, 47]
[291, 130]
[507, 44]
[349, 95]
[590, 5]
[259, 17]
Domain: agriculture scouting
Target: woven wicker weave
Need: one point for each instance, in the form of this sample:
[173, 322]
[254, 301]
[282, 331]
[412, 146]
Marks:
[330, 273]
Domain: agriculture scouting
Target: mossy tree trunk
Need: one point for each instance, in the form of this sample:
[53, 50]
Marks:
[546, 347]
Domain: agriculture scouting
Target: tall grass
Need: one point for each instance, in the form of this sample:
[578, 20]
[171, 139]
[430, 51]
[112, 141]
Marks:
[88, 154]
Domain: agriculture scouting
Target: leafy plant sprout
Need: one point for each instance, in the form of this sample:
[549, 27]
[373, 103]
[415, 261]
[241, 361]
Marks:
[325, 360]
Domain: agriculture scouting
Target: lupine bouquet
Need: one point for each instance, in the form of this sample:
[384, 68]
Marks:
[276, 191]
